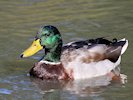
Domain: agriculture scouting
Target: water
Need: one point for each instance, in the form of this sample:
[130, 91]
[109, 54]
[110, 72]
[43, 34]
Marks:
[76, 20]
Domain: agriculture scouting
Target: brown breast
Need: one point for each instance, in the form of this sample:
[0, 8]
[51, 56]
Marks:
[48, 71]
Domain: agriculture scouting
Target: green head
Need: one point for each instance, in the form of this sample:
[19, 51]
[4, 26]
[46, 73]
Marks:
[49, 38]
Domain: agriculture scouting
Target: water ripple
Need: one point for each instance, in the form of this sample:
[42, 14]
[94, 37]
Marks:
[5, 91]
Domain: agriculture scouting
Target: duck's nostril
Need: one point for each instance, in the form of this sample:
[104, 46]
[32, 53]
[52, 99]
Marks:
[21, 56]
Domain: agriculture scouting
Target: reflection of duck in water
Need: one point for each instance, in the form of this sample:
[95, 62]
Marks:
[75, 60]
[87, 87]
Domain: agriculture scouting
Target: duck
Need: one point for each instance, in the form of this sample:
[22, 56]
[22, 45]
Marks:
[82, 59]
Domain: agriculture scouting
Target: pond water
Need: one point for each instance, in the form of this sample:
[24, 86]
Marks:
[76, 20]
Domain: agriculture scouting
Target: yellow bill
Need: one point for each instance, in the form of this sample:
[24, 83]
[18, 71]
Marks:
[34, 48]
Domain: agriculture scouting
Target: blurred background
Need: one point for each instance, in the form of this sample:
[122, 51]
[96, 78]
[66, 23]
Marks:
[76, 20]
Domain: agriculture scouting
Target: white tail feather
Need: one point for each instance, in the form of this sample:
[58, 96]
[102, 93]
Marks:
[125, 46]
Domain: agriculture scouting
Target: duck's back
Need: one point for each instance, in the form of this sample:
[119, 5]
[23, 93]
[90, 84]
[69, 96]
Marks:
[93, 57]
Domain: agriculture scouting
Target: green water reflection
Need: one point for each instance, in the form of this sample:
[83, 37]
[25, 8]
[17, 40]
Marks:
[76, 20]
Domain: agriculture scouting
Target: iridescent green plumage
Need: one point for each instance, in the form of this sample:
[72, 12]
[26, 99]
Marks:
[50, 39]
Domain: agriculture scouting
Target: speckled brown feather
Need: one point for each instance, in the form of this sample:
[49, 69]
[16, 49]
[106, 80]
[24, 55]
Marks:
[47, 71]
[109, 52]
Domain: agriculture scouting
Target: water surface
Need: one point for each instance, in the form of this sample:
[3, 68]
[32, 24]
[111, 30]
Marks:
[76, 20]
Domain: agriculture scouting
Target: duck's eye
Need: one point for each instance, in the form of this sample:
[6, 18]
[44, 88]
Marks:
[47, 35]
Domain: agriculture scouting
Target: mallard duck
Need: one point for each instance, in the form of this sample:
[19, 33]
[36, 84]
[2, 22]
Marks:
[76, 60]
